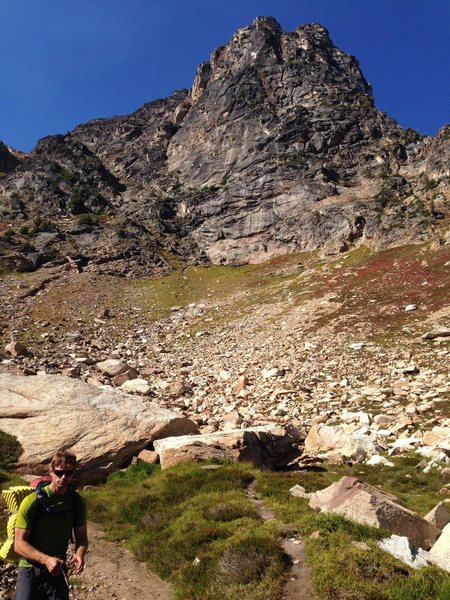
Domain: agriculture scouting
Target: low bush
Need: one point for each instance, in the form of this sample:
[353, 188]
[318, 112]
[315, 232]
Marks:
[41, 224]
[10, 450]
[85, 219]
[26, 248]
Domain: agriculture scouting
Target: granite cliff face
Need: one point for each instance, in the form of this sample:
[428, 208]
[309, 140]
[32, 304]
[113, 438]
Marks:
[278, 146]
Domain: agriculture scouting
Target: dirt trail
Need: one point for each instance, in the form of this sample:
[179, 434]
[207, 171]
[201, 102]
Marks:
[298, 585]
[112, 573]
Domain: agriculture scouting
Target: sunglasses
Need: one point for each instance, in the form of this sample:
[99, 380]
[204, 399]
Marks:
[61, 472]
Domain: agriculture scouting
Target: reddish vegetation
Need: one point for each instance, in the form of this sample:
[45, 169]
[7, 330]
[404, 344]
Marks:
[375, 292]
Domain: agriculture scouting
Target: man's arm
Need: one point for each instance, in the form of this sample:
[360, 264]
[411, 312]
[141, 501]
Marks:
[81, 546]
[23, 547]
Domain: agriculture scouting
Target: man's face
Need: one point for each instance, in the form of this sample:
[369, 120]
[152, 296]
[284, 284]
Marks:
[62, 476]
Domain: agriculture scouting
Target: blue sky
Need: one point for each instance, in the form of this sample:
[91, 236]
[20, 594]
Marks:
[63, 62]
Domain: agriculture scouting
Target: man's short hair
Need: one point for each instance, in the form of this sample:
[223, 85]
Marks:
[63, 457]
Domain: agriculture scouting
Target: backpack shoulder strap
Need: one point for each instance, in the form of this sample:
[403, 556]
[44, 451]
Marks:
[42, 502]
[44, 507]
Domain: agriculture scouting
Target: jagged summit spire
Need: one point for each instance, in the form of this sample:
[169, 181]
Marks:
[266, 23]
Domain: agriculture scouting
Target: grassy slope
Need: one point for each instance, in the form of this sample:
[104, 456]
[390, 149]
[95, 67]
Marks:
[372, 289]
[196, 528]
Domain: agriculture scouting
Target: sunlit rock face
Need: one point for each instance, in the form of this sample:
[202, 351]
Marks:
[278, 146]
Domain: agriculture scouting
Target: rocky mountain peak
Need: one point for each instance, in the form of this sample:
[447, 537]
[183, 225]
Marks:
[278, 146]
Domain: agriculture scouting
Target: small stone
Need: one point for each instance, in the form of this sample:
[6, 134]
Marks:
[16, 349]
[410, 307]
[148, 456]
[270, 373]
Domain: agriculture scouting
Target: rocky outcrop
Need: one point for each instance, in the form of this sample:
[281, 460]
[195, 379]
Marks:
[268, 446]
[8, 159]
[369, 505]
[278, 146]
[105, 428]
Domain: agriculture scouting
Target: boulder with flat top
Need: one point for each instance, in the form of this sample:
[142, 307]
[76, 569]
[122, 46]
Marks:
[103, 426]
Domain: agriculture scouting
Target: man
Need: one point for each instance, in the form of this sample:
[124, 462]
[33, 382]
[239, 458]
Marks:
[42, 533]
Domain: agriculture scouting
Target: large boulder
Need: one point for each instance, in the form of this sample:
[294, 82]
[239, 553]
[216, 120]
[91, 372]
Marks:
[104, 427]
[369, 505]
[350, 443]
[266, 446]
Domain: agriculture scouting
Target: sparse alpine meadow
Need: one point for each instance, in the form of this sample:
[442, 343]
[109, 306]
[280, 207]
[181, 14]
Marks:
[196, 525]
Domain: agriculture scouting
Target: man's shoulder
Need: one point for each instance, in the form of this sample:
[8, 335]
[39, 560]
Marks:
[27, 511]
[28, 502]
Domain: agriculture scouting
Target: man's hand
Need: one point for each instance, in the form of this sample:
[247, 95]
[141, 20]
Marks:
[78, 562]
[81, 546]
[54, 565]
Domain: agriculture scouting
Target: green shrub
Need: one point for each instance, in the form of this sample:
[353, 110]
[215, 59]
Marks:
[85, 219]
[248, 560]
[429, 184]
[76, 205]
[228, 511]
[41, 224]
[26, 248]
[8, 235]
[10, 450]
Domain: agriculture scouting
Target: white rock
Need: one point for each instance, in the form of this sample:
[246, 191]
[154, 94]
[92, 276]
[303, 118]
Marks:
[377, 459]
[225, 375]
[357, 345]
[442, 545]
[400, 547]
[405, 442]
[112, 367]
[138, 385]
[440, 515]
[299, 491]
[437, 436]
[383, 433]
[270, 373]
[410, 307]
[371, 391]
[309, 346]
